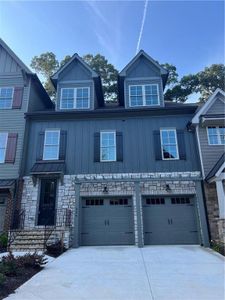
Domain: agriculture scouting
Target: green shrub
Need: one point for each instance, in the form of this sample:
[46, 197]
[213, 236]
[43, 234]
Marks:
[3, 240]
[56, 248]
[2, 279]
[32, 260]
[9, 265]
[218, 247]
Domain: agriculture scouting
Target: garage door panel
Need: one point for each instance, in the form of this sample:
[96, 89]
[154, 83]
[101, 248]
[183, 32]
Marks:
[110, 222]
[169, 221]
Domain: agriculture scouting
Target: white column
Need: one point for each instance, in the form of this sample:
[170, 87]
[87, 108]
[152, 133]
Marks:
[221, 198]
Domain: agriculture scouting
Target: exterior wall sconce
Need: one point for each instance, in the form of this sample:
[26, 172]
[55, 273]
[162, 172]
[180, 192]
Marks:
[168, 189]
[105, 190]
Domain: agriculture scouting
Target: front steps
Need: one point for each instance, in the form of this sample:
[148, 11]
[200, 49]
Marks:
[30, 240]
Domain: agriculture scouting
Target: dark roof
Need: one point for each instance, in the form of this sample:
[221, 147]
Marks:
[213, 116]
[6, 183]
[216, 167]
[48, 167]
[118, 111]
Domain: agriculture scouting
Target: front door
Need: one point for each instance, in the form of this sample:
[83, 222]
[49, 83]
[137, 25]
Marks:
[3, 201]
[46, 213]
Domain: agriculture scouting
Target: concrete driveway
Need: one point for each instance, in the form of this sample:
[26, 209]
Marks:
[105, 273]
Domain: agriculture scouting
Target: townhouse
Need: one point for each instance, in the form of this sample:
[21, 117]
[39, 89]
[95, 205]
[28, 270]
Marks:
[120, 174]
[20, 92]
[209, 123]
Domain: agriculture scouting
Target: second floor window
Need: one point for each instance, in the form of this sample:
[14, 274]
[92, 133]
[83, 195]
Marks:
[169, 146]
[216, 135]
[6, 97]
[108, 146]
[75, 98]
[3, 145]
[51, 145]
[143, 95]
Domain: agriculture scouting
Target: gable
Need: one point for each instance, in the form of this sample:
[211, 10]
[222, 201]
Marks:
[217, 107]
[75, 71]
[143, 68]
[7, 63]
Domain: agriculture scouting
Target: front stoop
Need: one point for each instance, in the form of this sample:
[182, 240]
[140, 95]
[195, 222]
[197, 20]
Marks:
[29, 240]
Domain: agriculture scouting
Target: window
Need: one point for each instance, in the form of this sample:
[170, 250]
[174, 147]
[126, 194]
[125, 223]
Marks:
[108, 146]
[95, 202]
[119, 202]
[6, 97]
[155, 201]
[3, 145]
[180, 201]
[75, 98]
[144, 95]
[169, 144]
[51, 145]
[216, 135]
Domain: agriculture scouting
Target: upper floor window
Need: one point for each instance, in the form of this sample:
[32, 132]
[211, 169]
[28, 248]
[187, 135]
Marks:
[6, 97]
[75, 98]
[216, 135]
[51, 145]
[108, 146]
[3, 145]
[144, 95]
[169, 145]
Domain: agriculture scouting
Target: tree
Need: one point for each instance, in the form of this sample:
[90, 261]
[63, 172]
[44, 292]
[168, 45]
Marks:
[107, 72]
[47, 64]
[173, 76]
[204, 82]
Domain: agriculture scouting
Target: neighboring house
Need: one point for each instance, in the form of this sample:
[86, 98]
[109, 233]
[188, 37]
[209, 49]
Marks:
[20, 92]
[114, 175]
[209, 121]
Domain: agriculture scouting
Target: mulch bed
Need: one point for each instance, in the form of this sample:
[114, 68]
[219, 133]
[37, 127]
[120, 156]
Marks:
[12, 283]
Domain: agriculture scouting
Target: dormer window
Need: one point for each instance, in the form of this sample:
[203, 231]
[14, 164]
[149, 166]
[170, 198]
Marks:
[144, 95]
[75, 98]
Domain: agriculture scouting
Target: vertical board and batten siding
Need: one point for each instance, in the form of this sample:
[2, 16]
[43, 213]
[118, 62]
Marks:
[76, 75]
[143, 72]
[138, 147]
[12, 121]
[7, 63]
[218, 107]
[210, 153]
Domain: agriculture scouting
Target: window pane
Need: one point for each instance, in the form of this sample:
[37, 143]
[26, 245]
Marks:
[213, 137]
[169, 146]
[51, 137]
[222, 134]
[108, 153]
[108, 146]
[6, 97]
[67, 100]
[136, 100]
[51, 152]
[2, 155]
[136, 97]
[82, 98]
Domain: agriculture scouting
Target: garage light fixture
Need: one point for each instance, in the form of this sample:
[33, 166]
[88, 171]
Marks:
[105, 190]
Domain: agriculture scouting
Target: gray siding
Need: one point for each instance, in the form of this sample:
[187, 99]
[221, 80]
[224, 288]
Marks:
[210, 153]
[7, 63]
[75, 75]
[137, 81]
[218, 107]
[12, 121]
[137, 139]
[143, 68]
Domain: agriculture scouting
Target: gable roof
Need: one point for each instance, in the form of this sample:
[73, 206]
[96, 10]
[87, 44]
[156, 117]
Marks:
[217, 169]
[54, 77]
[163, 71]
[15, 57]
[205, 107]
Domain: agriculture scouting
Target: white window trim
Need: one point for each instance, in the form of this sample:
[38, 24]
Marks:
[8, 87]
[75, 97]
[51, 130]
[5, 146]
[169, 129]
[114, 133]
[218, 136]
[143, 93]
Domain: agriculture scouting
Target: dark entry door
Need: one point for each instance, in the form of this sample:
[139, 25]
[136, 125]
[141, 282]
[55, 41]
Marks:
[46, 214]
[169, 221]
[107, 222]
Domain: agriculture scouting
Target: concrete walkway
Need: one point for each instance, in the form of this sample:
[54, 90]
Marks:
[129, 273]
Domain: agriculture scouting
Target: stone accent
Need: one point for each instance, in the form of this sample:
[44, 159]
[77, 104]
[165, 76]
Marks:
[212, 209]
[92, 185]
[221, 230]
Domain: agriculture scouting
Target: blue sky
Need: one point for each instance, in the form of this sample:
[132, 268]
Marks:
[188, 34]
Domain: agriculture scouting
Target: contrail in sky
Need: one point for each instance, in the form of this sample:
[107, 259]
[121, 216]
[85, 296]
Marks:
[142, 25]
